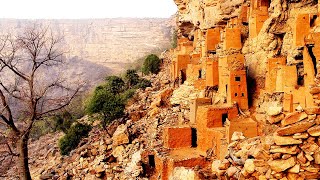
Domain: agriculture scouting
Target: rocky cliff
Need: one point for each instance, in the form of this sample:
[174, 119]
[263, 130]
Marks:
[112, 43]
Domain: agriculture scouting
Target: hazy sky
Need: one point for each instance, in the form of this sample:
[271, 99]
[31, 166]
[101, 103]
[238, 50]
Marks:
[77, 9]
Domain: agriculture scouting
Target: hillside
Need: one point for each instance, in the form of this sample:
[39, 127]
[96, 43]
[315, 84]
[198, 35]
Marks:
[238, 98]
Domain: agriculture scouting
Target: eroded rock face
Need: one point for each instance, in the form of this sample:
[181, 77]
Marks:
[205, 14]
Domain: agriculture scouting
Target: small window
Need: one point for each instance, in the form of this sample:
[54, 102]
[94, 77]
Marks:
[200, 74]
[235, 94]
[237, 78]
[242, 94]
[224, 118]
[194, 137]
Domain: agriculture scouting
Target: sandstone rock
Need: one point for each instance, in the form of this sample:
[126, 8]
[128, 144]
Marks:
[314, 131]
[301, 158]
[237, 136]
[282, 165]
[294, 169]
[181, 173]
[316, 157]
[120, 136]
[300, 136]
[310, 148]
[313, 110]
[281, 140]
[275, 119]
[296, 127]
[224, 164]
[249, 166]
[134, 169]
[315, 90]
[215, 165]
[284, 150]
[293, 118]
[117, 152]
[260, 163]
[274, 110]
[232, 171]
[311, 169]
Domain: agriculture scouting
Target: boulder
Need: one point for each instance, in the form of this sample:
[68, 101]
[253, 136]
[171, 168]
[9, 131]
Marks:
[249, 166]
[284, 150]
[316, 157]
[275, 119]
[298, 127]
[237, 136]
[294, 169]
[134, 169]
[312, 110]
[315, 90]
[274, 110]
[314, 131]
[120, 136]
[182, 173]
[232, 171]
[282, 140]
[293, 118]
[282, 165]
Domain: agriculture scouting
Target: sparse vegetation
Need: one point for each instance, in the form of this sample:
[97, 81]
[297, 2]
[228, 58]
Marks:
[108, 105]
[151, 64]
[143, 84]
[174, 38]
[109, 99]
[115, 84]
[73, 137]
[132, 78]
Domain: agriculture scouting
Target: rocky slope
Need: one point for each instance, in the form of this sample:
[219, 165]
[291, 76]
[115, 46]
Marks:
[121, 156]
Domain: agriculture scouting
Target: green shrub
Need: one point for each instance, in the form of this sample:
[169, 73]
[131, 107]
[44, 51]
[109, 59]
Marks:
[151, 64]
[73, 137]
[58, 122]
[132, 78]
[108, 105]
[63, 121]
[143, 84]
[115, 84]
[125, 96]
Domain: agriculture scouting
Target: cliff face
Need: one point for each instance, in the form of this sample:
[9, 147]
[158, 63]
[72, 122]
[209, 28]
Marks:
[276, 34]
[113, 43]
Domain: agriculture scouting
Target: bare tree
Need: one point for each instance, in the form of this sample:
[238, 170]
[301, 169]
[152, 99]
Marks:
[31, 87]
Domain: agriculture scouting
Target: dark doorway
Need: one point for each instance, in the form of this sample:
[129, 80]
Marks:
[193, 137]
[183, 76]
[152, 162]
[224, 118]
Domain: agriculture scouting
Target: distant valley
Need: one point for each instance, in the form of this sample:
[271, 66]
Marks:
[99, 47]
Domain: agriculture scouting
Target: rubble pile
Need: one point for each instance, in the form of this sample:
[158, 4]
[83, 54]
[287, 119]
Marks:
[292, 152]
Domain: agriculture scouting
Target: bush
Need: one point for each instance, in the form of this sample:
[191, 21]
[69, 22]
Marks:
[115, 84]
[58, 122]
[73, 137]
[63, 121]
[125, 96]
[108, 105]
[143, 84]
[132, 77]
[151, 64]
